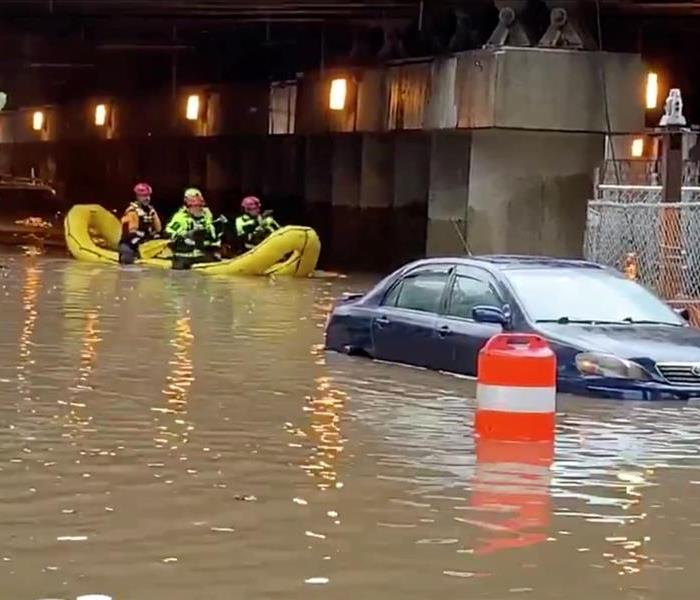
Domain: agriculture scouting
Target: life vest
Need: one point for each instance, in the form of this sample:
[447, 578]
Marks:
[146, 216]
[252, 231]
[199, 229]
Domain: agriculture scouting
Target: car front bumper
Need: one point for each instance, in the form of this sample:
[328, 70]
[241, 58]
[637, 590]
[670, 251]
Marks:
[626, 389]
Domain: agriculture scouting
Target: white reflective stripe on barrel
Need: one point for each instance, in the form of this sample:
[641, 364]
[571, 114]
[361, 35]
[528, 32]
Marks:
[516, 399]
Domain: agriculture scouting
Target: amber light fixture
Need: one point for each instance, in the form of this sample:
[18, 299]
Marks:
[101, 115]
[652, 92]
[637, 147]
[192, 108]
[38, 120]
[339, 92]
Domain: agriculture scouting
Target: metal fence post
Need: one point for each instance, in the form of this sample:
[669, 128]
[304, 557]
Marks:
[671, 123]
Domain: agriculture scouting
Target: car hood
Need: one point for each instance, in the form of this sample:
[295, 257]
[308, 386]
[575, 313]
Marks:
[659, 343]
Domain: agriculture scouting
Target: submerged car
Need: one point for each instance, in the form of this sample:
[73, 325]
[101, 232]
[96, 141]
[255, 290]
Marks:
[612, 337]
[31, 212]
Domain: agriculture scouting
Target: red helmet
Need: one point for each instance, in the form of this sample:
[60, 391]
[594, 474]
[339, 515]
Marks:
[143, 189]
[251, 204]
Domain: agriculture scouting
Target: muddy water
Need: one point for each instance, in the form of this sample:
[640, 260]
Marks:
[167, 435]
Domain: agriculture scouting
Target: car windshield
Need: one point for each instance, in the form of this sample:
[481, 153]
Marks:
[568, 295]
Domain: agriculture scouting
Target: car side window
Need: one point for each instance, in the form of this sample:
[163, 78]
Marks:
[420, 291]
[393, 295]
[468, 292]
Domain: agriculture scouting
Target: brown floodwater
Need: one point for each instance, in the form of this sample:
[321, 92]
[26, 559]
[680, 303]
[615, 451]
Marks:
[169, 435]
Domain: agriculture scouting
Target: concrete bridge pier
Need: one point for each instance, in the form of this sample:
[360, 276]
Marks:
[529, 190]
[516, 173]
[448, 196]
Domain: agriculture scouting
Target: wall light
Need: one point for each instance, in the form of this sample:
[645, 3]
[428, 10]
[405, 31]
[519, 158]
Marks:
[339, 91]
[101, 115]
[637, 147]
[38, 120]
[192, 112]
[652, 90]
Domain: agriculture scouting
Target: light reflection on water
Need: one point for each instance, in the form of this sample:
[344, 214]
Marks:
[169, 435]
[179, 381]
[30, 292]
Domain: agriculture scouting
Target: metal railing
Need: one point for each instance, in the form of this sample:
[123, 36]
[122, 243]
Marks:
[630, 194]
[642, 171]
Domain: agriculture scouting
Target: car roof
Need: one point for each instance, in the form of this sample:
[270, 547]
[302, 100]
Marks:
[502, 262]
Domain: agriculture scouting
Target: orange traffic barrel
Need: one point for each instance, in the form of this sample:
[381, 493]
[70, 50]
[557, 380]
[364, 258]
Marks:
[510, 500]
[516, 389]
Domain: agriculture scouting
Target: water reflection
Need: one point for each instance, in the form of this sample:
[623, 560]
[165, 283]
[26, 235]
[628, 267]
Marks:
[82, 293]
[377, 487]
[175, 431]
[510, 494]
[30, 295]
[325, 410]
[78, 413]
[88, 352]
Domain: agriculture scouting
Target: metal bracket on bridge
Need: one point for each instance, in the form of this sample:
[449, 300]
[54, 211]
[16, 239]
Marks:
[565, 29]
[510, 30]
[393, 47]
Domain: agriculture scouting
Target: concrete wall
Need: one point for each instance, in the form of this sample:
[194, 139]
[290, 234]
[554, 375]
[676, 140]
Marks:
[366, 195]
[489, 150]
[377, 200]
[562, 90]
[525, 88]
[448, 193]
[528, 191]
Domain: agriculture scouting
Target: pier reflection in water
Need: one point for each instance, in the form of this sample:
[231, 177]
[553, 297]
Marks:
[174, 436]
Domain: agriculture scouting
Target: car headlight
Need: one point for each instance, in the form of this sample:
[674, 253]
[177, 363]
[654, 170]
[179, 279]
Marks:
[608, 365]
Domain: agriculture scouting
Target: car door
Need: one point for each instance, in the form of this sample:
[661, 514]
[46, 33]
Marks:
[404, 325]
[460, 337]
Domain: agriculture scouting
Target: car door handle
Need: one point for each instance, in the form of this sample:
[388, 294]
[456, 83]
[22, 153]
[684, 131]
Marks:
[381, 321]
[444, 331]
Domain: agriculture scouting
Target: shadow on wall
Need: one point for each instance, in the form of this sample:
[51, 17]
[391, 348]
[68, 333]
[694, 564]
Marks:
[375, 239]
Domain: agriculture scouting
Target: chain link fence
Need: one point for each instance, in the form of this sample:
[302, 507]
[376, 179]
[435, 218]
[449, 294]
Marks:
[631, 229]
[662, 238]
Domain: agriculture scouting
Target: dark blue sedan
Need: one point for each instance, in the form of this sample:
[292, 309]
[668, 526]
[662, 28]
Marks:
[613, 338]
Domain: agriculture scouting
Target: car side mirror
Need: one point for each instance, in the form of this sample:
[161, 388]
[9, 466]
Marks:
[683, 313]
[490, 314]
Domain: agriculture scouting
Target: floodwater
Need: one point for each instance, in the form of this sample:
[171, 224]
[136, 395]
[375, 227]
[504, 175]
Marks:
[168, 435]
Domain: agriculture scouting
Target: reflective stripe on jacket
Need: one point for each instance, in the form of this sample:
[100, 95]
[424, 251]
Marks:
[200, 230]
[252, 230]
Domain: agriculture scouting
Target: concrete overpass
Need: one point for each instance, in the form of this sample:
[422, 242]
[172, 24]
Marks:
[53, 50]
[491, 148]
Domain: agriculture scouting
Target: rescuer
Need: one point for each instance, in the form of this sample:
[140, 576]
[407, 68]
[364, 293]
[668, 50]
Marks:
[140, 223]
[194, 237]
[253, 226]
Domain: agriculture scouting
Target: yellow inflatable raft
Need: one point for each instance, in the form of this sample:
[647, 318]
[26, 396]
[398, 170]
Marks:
[92, 234]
